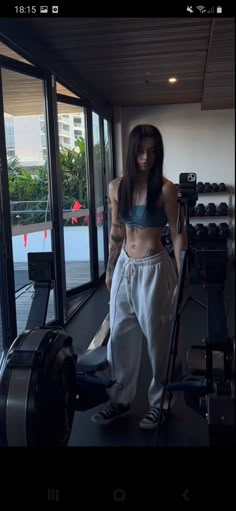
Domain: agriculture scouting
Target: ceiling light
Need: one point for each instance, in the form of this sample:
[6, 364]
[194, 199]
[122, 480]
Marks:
[172, 80]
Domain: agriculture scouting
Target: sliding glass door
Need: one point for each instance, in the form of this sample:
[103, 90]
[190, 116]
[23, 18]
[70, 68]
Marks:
[108, 161]
[28, 181]
[99, 191]
[55, 176]
[74, 178]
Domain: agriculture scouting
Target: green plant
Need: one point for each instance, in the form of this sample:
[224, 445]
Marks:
[73, 174]
[29, 188]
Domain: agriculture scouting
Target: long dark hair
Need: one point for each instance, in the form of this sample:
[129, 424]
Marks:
[155, 177]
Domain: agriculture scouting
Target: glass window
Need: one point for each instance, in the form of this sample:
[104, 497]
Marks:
[23, 100]
[98, 183]
[73, 163]
[43, 140]
[108, 164]
[11, 153]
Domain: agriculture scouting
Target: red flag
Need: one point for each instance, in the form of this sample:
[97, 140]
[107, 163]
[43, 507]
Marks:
[45, 235]
[99, 219]
[25, 240]
[76, 206]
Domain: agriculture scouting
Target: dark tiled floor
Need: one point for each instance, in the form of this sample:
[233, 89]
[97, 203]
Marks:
[185, 427]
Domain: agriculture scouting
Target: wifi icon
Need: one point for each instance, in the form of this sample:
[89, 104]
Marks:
[201, 8]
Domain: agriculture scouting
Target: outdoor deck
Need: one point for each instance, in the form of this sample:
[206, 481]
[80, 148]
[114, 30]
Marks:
[77, 273]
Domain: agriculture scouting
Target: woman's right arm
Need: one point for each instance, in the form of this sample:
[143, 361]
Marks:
[117, 235]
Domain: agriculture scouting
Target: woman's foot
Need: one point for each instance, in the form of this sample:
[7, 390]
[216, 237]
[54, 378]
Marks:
[110, 413]
[152, 417]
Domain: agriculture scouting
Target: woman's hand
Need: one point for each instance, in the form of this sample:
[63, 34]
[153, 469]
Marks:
[108, 281]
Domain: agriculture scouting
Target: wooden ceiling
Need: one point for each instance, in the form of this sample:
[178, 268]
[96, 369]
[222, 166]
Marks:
[24, 95]
[127, 61]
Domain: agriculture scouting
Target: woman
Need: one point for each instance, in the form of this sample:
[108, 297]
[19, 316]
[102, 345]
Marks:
[140, 274]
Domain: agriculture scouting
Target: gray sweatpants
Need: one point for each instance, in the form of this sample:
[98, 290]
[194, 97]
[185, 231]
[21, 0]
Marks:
[140, 304]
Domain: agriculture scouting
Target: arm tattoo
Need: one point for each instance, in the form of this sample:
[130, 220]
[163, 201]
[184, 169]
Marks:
[118, 225]
[113, 256]
[116, 240]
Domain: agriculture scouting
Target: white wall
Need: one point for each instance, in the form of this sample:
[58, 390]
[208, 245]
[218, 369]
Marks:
[194, 140]
[28, 140]
[76, 243]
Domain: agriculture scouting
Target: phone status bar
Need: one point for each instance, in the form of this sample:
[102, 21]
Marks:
[36, 10]
[163, 10]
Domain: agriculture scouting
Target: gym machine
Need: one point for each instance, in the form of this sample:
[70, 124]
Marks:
[42, 381]
[209, 385]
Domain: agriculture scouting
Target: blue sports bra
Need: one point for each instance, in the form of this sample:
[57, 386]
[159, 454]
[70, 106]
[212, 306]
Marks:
[140, 216]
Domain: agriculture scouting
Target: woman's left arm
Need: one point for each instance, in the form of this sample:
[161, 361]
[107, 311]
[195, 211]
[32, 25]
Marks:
[179, 240]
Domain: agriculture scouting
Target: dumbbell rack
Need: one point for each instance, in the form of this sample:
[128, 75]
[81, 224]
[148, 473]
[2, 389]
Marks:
[205, 219]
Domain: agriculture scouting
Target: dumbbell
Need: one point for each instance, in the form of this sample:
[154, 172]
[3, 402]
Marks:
[213, 231]
[211, 209]
[201, 232]
[191, 211]
[222, 209]
[222, 187]
[165, 237]
[207, 188]
[200, 187]
[200, 210]
[191, 232]
[170, 249]
[215, 187]
[224, 232]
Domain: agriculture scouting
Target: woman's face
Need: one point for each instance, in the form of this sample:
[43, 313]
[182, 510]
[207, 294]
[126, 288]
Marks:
[146, 154]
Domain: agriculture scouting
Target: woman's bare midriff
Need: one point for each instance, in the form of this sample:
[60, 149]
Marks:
[143, 242]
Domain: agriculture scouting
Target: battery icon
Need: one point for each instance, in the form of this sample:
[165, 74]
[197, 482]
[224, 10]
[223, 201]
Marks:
[219, 9]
